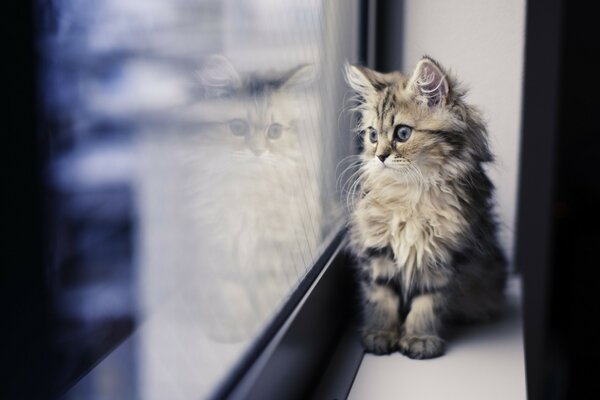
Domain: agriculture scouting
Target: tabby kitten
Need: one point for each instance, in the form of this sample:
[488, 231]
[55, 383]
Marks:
[252, 202]
[422, 227]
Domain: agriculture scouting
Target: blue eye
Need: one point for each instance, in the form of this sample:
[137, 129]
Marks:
[239, 127]
[274, 131]
[373, 135]
[402, 133]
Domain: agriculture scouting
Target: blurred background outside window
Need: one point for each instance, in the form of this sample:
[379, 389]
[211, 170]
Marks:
[192, 162]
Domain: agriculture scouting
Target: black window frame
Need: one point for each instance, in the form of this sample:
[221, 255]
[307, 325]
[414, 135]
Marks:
[540, 124]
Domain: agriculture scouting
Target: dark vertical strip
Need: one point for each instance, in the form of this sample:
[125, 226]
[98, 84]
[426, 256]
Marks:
[572, 336]
[537, 160]
[371, 33]
[389, 35]
[363, 31]
[25, 324]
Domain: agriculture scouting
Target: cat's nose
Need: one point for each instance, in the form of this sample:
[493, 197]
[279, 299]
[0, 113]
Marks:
[382, 157]
[257, 146]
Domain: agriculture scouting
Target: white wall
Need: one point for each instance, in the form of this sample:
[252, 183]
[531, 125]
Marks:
[482, 42]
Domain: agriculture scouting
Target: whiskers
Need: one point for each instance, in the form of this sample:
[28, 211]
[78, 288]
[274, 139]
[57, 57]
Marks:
[349, 178]
[411, 174]
[355, 174]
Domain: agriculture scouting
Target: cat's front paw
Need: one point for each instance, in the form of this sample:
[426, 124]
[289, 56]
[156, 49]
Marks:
[380, 342]
[422, 347]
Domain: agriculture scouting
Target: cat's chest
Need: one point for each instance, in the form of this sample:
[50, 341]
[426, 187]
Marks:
[418, 232]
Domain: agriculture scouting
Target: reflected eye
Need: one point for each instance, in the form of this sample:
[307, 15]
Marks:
[402, 133]
[239, 127]
[274, 131]
[373, 135]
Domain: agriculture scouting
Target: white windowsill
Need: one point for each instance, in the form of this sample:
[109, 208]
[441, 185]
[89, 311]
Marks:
[481, 362]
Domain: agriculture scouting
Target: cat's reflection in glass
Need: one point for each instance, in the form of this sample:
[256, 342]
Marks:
[251, 193]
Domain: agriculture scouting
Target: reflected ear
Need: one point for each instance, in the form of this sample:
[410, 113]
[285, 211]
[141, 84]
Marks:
[365, 81]
[298, 77]
[429, 83]
[218, 77]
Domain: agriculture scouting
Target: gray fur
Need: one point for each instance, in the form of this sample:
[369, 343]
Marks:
[422, 227]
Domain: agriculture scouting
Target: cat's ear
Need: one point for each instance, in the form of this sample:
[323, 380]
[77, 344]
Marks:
[298, 77]
[365, 81]
[218, 77]
[429, 82]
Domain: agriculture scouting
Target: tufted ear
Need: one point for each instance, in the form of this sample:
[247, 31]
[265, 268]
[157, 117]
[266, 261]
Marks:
[298, 77]
[365, 81]
[218, 77]
[429, 83]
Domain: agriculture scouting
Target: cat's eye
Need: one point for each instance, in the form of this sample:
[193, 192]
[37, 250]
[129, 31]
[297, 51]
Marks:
[239, 127]
[275, 131]
[402, 133]
[372, 135]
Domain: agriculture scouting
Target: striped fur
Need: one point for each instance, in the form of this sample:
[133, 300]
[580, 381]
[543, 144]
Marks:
[421, 226]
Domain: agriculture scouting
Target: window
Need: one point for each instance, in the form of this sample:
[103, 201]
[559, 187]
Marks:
[194, 148]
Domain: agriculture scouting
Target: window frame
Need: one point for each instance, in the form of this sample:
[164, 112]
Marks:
[314, 338]
[534, 225]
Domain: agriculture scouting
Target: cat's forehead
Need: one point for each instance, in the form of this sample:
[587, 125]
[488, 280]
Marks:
[393, 100]
[397, 90]
[266, 107]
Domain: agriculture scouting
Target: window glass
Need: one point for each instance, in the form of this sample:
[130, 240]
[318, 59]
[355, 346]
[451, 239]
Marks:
[191, 178]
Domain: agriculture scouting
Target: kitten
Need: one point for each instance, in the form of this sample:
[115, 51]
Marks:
[422, 227]
[253, 204]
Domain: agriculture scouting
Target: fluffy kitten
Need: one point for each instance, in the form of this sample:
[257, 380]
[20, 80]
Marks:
[422, 227]
[253, 205]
